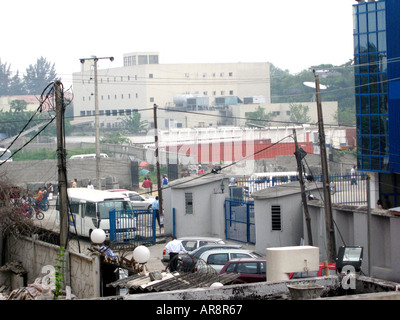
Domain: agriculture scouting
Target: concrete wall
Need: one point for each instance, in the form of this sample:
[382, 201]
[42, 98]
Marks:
[292, 222]
[352, 230]
[82, 272]
[24, 173]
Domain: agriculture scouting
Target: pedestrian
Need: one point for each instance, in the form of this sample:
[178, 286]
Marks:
[165, 180]
[173, 248]
[50, 188]
[156, 207]
[150, 185]
[201, 170]
[74, 183]
[146, 185]
[379, 204]
[90, 186]
[353, 175]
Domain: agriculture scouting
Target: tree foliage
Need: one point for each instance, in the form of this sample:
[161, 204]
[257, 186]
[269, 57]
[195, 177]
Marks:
[299, 113]
[36, 79]
[258, 117]
[133, 123]
[286, 87]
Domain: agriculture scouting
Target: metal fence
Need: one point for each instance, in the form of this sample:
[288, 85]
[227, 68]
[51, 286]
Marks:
[132, 227]
[345, 189]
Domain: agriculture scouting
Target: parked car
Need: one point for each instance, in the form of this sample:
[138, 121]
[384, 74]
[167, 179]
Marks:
[315, 273]
[192, 243]
[216, 259]
[137, 200]
[187, 262]
[250, 269]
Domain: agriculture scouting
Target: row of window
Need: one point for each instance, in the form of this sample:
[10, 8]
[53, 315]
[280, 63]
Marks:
[151, 76]
[119, 112]
[136, 95]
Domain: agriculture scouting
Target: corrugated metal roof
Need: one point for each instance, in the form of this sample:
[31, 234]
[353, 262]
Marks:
[142, 283]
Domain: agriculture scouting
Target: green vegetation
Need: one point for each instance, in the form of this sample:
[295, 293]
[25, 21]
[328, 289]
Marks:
[286, 87]
[59, 275]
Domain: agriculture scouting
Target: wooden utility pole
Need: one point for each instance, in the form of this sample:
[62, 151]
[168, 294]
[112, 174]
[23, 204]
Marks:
[329, 228]
[62, 168]
[302, 188]
[159, 186]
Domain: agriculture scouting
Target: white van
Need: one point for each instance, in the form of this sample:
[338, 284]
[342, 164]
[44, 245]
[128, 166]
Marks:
[89, 209]
[88, 156]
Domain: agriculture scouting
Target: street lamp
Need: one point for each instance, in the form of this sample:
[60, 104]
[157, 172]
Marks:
[96, 107]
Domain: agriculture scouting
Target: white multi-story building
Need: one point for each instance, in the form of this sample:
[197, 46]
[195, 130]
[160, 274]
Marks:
[142, 82]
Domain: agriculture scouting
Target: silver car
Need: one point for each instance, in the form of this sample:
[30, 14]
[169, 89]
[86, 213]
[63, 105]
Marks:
[216, 259]
[192, 243]
[137, 200]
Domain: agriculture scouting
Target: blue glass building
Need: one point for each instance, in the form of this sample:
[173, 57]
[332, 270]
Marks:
[377, 92]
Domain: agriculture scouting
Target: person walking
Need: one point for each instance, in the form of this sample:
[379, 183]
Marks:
[173, 248]
[50, 188]
[156, 207]
[74, 183]
[146, 185]
[353, 175]
[165, 180]
[90, 186]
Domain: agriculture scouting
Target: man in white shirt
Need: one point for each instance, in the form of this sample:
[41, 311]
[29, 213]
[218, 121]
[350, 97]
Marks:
[173, 248]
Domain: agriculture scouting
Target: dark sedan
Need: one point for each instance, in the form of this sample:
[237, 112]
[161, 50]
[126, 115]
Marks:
[250, 269]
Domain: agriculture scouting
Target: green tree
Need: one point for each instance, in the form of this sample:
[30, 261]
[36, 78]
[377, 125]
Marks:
[18, 105]
[299, 113]
[258, 117]
[38, 76]
[114, 137]
[4, 79]
[133, 124]
[286, 87]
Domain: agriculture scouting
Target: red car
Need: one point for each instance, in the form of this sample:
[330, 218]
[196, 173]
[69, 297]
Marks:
[250, 269]
[315, 273]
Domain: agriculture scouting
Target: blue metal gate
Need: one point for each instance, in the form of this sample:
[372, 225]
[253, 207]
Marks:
[239, 221]
[132, 227]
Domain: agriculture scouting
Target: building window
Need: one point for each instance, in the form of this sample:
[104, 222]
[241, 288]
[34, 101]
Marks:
[231, 74]
[231, 92]
[150, 76]
[151, 99]
[188, 203]
[276, 219]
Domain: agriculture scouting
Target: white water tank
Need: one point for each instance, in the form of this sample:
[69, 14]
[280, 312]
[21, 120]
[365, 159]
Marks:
[281, 261]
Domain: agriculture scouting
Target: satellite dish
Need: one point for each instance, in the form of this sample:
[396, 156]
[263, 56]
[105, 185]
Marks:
[312, 85]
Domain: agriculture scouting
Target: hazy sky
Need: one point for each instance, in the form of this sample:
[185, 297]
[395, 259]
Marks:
[291, 34]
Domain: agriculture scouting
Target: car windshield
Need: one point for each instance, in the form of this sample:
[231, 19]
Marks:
[105, 207]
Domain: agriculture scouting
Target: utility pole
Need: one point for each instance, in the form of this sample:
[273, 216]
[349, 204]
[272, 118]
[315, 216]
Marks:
[159, 188]
[96, 112]
[329, 230]
[62, 168]
[302, 188]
